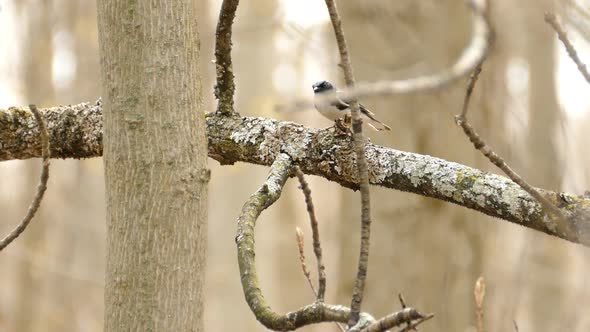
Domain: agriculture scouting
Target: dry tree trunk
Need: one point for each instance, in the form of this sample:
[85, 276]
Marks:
[155, 154]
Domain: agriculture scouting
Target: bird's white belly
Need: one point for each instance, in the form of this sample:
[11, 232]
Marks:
[330, 112]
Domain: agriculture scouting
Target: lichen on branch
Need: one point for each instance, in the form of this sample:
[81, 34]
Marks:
[259, 140]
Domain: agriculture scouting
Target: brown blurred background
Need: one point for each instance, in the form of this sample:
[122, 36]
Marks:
[531, 105]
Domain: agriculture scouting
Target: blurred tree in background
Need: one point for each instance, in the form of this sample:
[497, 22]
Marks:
[433, 252]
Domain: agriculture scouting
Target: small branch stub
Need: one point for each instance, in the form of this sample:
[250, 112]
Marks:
[479, 293]
[301, 246]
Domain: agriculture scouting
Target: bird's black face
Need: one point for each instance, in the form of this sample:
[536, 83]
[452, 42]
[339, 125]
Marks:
[322, 86]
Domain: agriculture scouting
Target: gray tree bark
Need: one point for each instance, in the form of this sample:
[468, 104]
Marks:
[155, 154]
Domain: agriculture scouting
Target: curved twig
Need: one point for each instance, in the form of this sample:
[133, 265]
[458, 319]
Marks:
[317, 312]
[41, 187]
[225, 87]
[259, 201]
[474, 54]
[482, 37]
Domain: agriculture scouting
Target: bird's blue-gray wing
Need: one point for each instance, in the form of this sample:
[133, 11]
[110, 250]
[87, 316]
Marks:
[339, 104]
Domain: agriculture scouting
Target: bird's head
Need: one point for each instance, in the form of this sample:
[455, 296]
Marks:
[322, 86]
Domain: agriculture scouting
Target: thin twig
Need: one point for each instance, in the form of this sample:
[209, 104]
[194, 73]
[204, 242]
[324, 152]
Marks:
[576, 16]
[317, 247]
[469, 91]
[403, 304]
[562, 224]
[515, 326]
[412, 326]
[402, 301]
[225, 87]
[479, 293]
[551, 19]
[340, 327]
[41, 187]
[301, 247]
[359, 148]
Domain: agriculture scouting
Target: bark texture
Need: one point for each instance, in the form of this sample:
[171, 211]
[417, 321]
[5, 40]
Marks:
[155, 165]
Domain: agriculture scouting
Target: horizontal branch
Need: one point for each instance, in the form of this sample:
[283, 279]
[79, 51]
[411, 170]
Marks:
[76, 132]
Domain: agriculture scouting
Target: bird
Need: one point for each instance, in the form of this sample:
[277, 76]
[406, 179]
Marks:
[339, 108]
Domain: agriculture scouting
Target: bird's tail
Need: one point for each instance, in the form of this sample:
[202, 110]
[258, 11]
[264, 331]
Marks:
[374, 123]
[379, 127]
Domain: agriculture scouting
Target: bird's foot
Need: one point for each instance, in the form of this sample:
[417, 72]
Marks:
[342, 127]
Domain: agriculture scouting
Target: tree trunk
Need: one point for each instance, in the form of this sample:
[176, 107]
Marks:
[155, 153]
